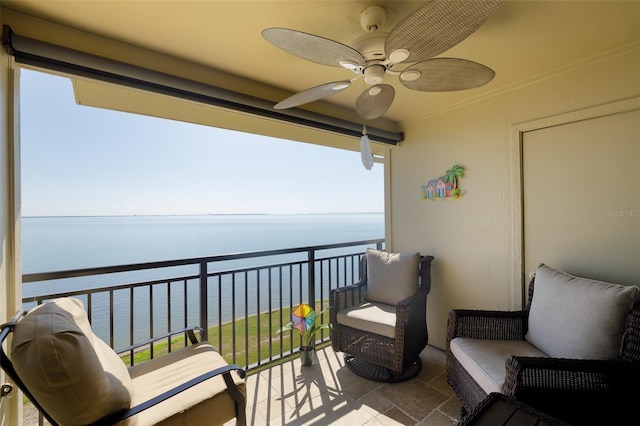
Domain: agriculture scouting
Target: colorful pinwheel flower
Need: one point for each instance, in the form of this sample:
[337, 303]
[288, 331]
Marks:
[303, 320]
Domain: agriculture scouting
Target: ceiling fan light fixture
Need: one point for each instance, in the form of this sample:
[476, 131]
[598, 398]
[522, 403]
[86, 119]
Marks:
[399, 55]
[340, 85]
[371, 107]
[410, 75]
[375, 90]
[350, 65]
[374, 74]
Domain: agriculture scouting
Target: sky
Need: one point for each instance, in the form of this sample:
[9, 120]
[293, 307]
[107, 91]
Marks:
[86, 161]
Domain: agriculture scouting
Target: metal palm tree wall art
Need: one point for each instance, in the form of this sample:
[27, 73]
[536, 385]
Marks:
[445, 187]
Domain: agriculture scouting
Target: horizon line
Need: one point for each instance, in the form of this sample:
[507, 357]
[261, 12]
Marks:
[195, 214]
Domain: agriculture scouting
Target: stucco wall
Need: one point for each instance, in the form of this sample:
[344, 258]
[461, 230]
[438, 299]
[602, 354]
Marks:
[473, 239]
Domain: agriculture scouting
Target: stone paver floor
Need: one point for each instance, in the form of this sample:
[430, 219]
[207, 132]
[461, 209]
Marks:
[329, 393]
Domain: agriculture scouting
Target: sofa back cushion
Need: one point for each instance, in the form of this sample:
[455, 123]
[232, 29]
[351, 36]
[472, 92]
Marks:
[580, 318]
[391, 277]
[75, 376]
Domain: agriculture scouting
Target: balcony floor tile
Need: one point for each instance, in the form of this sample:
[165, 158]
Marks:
[329, 393]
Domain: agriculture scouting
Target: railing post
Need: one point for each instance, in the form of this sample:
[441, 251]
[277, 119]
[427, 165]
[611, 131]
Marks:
[204, 300]
[312, 279]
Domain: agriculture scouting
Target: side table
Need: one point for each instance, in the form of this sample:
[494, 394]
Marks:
[497, 409]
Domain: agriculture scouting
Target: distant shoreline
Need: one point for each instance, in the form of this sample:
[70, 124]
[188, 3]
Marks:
[196, 214]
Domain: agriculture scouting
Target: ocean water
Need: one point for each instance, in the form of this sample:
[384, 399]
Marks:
[66, 243]
[63, 243]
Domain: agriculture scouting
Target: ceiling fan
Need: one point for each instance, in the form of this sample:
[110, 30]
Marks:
[408, 51]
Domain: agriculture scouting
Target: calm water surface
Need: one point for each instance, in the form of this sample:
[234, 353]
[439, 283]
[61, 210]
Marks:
[65, 243]
[62, 243]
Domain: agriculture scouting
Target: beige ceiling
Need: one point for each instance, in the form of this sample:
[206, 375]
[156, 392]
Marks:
[523, 42]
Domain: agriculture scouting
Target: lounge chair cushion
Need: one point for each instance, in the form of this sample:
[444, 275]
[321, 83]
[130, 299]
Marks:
[206, 403]
[377, 318]
[75, 376]
[391, 277]
[579, 318]
[484, 360]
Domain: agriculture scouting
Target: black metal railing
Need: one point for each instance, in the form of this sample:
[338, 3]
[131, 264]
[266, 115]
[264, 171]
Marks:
[240, 300]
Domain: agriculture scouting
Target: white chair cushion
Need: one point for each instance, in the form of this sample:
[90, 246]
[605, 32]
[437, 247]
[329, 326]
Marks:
[578, 318]
[76, 377]
[391, 277]
[377, 318]
[484, 360]
[207, 403]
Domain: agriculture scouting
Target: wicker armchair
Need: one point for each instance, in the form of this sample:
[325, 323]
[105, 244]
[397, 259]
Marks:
[577, 391]
[376, 356]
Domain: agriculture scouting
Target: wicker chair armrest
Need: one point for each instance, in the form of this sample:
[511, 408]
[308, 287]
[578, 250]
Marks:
[411, 316]
[533, 374]
[576, 390]
[410, 306]
[344, 298]
[417, 297]
[488, 325]
[348, 296]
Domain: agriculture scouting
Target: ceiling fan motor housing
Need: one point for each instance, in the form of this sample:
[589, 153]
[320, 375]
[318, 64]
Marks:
[371, 46]
[373, 74]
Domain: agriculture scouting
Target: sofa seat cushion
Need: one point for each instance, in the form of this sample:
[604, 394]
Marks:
[391, 277]
[574, 317]
[377, 318]
[75, 376]
[206, 403]
[485, 360]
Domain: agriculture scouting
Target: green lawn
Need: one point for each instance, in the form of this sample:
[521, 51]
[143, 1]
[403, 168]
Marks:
[268, 334]
[265, 325]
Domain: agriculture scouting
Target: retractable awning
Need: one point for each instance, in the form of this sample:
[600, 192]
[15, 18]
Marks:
[32, 52]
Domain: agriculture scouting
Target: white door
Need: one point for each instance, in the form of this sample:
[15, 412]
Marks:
[581, 192]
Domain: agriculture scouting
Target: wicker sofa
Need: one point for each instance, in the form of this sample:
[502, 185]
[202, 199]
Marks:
[588, 388]
[378, 320]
